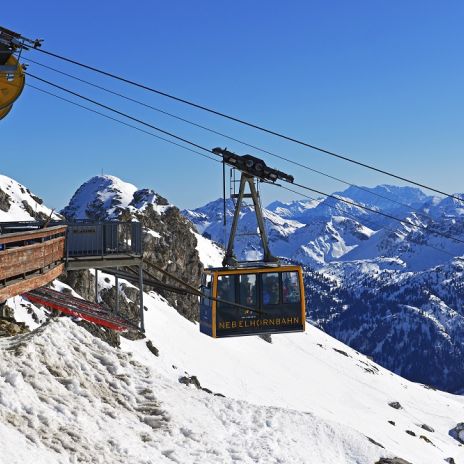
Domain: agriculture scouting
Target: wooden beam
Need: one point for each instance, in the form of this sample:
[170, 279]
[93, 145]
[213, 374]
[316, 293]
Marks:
[32, 235]
[22, 260]
[25, 285]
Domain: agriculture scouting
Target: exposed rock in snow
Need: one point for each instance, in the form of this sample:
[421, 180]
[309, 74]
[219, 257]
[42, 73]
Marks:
[392, 461]
[8, 328]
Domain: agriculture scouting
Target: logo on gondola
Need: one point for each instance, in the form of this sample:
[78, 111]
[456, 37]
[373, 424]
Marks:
[259, 323]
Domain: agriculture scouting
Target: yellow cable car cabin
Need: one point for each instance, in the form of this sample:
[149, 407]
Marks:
[251, 298]
[12, 75]
[252, 301]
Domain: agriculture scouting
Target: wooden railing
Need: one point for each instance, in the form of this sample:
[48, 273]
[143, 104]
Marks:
[30, 259]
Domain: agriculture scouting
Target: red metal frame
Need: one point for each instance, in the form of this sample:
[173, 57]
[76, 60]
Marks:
[77, 307]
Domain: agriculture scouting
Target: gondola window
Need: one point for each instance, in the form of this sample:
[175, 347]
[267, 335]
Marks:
[226, 290]
[248, 291]
[290, 287]
[271, 288]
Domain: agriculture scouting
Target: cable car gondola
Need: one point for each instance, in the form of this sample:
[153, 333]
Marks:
[251, 298]
[12, 75]
[12, 82]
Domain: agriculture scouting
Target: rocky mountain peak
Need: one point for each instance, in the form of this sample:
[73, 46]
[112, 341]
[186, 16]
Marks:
[101, 197]
[168, 239]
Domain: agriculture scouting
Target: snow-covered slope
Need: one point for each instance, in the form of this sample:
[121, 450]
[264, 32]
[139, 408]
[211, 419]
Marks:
[309, 372]
[304, 398]
[18, 203]
[211, 255]
[68, 397]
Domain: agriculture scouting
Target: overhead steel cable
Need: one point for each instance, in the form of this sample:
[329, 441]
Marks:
[252, 125]
[242, 142]
[232, 138]
[121, 122]
[109, 108]
[211, 151]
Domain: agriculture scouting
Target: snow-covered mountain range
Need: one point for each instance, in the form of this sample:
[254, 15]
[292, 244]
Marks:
[391, 290]
[179, 396]
[317, 232]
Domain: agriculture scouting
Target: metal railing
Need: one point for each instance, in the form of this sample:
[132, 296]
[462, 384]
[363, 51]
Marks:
[90, 238]
[103, 238]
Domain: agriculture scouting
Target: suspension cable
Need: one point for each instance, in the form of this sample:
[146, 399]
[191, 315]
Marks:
[352, 203]
[252, 125]
[122, 122]
[119, 112]
[242, 142]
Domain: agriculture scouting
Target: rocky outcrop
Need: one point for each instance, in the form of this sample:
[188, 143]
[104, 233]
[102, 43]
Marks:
[5, 202]
[392, 461]
[173, 248]
[9, 327]
[82, 282]
[18, 203]
[36, 215]
[395, 405]
[168, 240]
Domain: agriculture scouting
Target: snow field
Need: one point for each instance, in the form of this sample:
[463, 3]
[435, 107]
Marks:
[67, 397]
[310, 373]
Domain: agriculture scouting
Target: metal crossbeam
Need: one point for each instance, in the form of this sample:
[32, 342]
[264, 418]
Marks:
[230, 259]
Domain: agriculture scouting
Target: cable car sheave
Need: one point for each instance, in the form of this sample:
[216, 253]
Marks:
[270, 294]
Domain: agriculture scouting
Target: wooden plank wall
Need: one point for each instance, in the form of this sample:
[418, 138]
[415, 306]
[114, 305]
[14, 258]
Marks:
[25, 285]
[16, 262]
[30, 259]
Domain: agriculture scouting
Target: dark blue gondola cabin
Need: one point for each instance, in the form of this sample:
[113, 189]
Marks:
[270, 300]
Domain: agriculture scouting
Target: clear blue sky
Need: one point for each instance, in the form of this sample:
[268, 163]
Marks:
[381, 81]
